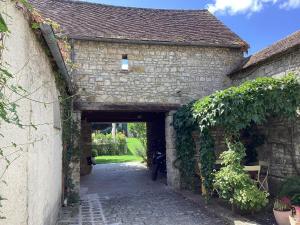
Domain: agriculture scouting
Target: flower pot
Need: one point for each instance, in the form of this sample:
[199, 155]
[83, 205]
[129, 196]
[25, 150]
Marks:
[282, 217]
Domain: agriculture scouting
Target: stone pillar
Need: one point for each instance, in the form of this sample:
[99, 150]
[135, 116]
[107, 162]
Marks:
[86, 147]
[173, 174]
[75, 161]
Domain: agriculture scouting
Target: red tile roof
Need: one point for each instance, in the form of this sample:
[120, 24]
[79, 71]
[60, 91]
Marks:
[91, 21]
[273, 50]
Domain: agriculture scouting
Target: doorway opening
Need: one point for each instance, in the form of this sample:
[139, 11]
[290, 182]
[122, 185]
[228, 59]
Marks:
[112, 136]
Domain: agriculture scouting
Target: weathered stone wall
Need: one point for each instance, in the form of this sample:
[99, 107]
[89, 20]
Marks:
[173, 173]
[157, 73]
[275, 67]
[34, 178]
[281, 150]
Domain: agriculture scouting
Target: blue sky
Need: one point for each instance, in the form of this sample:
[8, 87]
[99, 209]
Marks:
[259, 22]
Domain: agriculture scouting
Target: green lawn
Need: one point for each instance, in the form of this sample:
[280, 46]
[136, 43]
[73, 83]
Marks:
[133, 145]
[117, 159]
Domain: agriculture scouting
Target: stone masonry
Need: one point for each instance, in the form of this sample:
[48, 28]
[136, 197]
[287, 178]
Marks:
[157, 73]
[276, 67]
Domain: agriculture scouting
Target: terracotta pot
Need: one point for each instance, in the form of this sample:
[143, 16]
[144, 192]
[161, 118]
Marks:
[282, 217]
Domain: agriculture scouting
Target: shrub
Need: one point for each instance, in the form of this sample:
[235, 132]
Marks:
[234, 185]
[290, 187]
[296, 200]
[105, 144]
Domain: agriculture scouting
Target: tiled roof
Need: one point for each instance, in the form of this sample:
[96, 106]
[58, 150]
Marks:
[91, 21]
[273, 50]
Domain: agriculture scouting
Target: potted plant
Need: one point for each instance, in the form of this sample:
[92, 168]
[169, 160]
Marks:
[296, 205]
[282, 210]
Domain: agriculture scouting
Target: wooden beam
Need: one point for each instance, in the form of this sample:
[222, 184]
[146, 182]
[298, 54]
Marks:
[129, 107]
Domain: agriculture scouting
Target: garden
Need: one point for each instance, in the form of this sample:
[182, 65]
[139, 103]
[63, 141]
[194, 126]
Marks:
[230, 175]
[119, 145]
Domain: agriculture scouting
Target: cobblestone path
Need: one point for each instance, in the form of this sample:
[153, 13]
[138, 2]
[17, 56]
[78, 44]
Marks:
[123, 194]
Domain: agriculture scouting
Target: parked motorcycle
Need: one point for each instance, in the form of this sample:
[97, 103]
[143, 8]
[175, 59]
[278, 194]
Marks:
[158, 165]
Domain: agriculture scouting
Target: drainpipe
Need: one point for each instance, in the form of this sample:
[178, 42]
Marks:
[51, 41]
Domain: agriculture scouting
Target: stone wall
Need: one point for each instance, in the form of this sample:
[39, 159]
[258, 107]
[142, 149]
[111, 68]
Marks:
[275, 67]
[157, 73]
[281, 150]
[173, 173]
[34, 179]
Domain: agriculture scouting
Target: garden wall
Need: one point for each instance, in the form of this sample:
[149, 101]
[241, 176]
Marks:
[34, 180]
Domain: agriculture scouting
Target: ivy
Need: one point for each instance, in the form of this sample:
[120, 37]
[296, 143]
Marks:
[233, 110]
[184, 125]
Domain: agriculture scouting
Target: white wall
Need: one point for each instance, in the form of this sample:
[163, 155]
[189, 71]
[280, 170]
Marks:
[33, 188]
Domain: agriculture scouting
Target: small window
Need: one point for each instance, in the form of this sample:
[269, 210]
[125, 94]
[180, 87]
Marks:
[124, 62]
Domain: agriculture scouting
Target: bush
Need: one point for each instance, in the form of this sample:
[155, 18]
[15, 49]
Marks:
[296, 199]
[234, 185]
[105, 144]
[290, 187]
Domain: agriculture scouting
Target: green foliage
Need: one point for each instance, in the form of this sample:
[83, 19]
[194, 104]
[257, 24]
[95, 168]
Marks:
[290, 187]
[3, 26]
[282, 204]
[105, 144]
[139, 130]
[207, 155]
[117, 159]
[233, 109]
[236, 108]
[185, 124]
[296, 199]
[234, 184]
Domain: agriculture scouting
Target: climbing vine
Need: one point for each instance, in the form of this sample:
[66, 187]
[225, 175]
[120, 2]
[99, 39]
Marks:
[232, 109]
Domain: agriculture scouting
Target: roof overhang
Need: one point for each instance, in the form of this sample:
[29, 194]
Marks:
[52, 43]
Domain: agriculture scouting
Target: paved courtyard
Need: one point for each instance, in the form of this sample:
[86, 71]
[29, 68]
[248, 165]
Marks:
[123, 194]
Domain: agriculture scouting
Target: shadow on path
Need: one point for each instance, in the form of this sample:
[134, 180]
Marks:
[124, 194]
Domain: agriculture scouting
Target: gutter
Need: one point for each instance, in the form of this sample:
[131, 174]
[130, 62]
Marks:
[51, 41]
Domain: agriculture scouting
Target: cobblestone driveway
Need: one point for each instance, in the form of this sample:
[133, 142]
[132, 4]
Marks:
[123, 194]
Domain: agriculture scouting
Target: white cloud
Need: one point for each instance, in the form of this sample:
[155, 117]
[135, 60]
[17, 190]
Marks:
[290, 4]
[233, 7]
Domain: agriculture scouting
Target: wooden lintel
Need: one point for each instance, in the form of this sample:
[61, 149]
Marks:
[126, 107]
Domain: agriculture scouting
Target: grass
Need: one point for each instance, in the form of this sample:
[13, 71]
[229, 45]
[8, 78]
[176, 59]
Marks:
[133, 144]
[117, 159]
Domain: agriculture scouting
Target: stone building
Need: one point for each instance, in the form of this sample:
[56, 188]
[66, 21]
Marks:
[141, 64]
[132, 65]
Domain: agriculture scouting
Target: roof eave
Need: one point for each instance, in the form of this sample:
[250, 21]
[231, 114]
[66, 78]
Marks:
[242, 69]
[51, 41]
[153, 42]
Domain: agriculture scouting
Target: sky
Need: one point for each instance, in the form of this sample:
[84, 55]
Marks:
[259, 22]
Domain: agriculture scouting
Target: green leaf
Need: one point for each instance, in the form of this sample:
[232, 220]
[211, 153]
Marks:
[3, 26]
